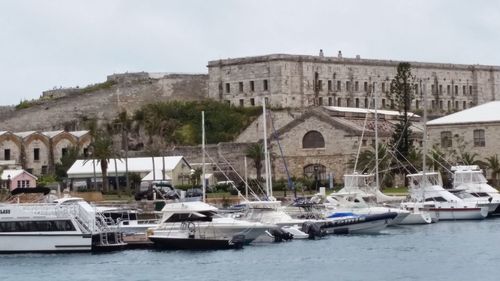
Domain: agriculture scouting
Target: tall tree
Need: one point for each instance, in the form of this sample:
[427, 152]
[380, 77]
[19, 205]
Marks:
[256, 153]
[66, 162]
[401, 95]
[102, 150]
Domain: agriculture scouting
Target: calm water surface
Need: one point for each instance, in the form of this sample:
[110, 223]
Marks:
[442, 251]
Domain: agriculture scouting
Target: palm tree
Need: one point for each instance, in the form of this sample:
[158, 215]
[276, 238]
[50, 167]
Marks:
[494, 165]
[470, 159]
[367, 162]
[102, 151]
[256, 152]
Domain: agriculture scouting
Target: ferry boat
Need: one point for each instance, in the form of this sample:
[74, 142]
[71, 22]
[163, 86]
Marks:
[66, 225]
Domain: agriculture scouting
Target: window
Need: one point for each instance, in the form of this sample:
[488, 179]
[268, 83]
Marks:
[432, 89]
[347, 86]
[383, 103]
[242, 102]
[37, 226]
[366, 103]
[363, 142]
[456, 90]
[449, 106]
[416, 104]
[440, 89]
[440, 104]
[320, 101]
[356, 86]
[330, 101]
[320, 85]
[448, 89]
[383, 86]
[470, 90]
[252, 102]
[6, 154]
[266, 86]
[339, 102]
[456, 104]
[228, 88]
[357, 102]
[464, 105]
[44, 170]
[446, 140]
[339, 86]
[240, 84]
[252, 86]
[313, 139]
[479, 137]
[329, 85]
[416, 89]
[365, 86]
[464, 91]
[36, 154]
[86, 152]
[64, 151]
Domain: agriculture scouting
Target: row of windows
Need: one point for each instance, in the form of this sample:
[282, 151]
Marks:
[439, 90]
[36, 153]
[366, 103]
[23, 183]
[36, 226]
[478, 135]
[265, 86]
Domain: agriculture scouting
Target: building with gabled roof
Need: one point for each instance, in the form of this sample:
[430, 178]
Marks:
[474, 130]
[176, 169]
[15, 178]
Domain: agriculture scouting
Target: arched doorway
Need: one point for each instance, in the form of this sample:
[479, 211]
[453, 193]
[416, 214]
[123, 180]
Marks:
[317, 173]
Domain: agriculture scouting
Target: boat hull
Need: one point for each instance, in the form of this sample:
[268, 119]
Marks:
[193, 243]
[417, 218]
[460, 213]
[44, 242]
[368, 224]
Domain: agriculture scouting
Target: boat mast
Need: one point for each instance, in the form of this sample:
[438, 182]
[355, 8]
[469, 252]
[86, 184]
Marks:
[204, 184]
[266, 156]
[424, 168]
[376, 139]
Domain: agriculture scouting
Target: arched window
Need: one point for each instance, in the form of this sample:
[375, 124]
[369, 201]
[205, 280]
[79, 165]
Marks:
[313, 139]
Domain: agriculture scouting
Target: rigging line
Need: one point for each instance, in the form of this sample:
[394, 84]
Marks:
[401, 163]
[227, 178]
[444, 160]
[236, 172]
[361, 139]
[275, 135]
[438, 162]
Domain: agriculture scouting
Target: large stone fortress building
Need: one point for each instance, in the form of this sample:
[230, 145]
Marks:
[302, 81]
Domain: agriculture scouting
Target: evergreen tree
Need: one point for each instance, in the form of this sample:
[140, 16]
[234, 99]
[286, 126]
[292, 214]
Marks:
[402, 94]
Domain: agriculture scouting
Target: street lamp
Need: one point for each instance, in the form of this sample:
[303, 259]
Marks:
[316, 175]
[8, 182]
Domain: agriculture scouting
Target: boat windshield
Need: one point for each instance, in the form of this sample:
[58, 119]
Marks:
[463, 195]
[420, 180]
[468, 177]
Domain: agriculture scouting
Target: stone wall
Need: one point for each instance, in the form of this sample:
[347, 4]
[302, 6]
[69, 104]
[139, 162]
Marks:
[298, 81]
[121, 92]
[463, 138]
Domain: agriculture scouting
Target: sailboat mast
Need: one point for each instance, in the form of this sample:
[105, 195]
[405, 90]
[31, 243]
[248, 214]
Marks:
[266, 156]
[425, 133]
[376, 138]
[204, 184]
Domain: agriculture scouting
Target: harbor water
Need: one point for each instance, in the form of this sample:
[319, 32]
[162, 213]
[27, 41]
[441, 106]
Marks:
[444, 251]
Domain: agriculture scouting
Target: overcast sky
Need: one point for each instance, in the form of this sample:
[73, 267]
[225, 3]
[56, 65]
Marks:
[52, 43]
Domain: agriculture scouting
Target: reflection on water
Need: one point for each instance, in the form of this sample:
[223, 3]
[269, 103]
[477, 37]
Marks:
[442, 251]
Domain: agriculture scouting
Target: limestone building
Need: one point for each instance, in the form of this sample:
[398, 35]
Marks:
[475, 130]
[302, 80]
[38, 152]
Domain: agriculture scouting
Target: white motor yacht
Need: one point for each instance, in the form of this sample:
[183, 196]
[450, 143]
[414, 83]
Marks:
[66, 225]
[426, 192]
[471, 179]
[196, 225]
